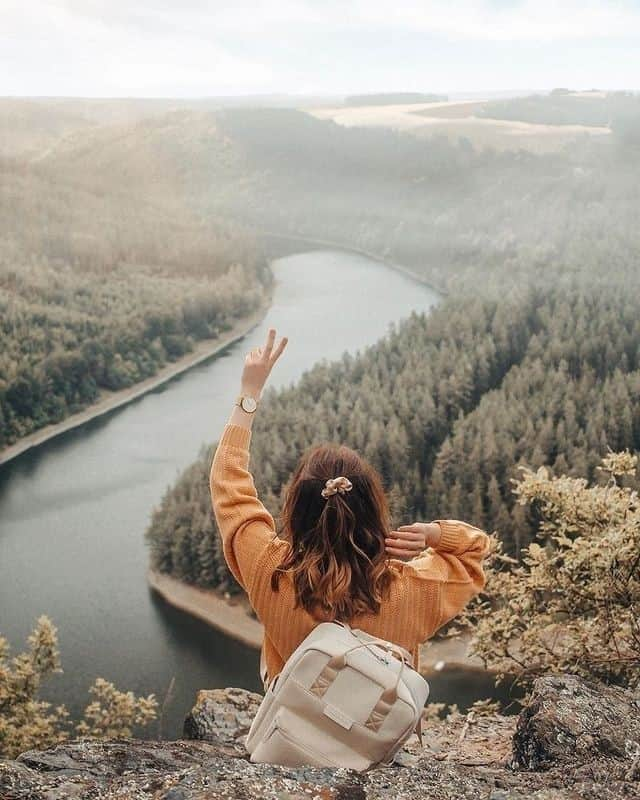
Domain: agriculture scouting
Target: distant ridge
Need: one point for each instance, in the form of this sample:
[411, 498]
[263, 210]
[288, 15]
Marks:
[393, 98]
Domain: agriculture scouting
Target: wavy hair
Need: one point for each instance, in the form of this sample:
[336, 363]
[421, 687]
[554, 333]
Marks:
[337, 558]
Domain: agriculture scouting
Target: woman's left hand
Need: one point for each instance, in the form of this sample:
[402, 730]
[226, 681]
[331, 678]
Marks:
[259, 363]
[410, 540]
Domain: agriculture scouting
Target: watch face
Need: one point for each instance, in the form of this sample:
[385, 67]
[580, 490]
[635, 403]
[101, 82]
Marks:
[248, 404]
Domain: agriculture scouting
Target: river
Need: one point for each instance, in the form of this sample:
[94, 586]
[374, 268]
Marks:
[73, 511]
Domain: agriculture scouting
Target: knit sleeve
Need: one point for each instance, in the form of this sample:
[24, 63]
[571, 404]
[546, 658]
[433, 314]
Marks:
[455, 566]
[246, 527]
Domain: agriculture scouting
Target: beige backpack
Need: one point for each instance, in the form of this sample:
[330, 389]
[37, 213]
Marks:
[343, 699]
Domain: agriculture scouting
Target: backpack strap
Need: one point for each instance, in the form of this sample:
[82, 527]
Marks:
[418, 730]
[264, 677]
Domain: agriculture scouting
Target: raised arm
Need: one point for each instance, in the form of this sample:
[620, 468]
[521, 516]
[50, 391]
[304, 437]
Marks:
[452, 561]
[245, 525]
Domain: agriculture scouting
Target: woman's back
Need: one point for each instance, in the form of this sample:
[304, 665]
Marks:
[419, 597]
[335, 560]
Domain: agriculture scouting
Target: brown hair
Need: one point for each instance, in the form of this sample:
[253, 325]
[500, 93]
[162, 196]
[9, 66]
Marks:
[337, 558]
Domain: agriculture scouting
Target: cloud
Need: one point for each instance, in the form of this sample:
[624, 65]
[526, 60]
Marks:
[465, 19]
[161, 47]
[114, 56]
[528, 20]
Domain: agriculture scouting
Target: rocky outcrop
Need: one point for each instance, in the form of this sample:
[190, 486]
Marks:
[568, 719]
[222, 716]
[548, 753]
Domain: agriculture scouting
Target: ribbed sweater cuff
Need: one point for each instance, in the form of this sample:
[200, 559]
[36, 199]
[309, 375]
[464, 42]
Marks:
[235, 436]
[450, 538]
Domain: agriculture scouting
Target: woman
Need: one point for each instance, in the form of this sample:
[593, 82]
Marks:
[337, 559]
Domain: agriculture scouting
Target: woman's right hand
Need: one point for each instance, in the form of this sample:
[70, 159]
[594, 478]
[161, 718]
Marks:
[410, 540]
[259, 363]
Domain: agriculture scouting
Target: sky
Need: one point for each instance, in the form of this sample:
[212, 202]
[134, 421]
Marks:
[195, 48]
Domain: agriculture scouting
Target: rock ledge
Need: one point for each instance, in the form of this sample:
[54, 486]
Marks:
[574, 740]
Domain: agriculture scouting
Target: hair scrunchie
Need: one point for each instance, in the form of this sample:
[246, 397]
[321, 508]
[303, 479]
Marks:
[335, 485]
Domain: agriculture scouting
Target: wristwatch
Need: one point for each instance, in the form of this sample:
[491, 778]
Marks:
[247, 403]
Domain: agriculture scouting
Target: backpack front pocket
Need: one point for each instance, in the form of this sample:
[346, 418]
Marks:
[281, 747]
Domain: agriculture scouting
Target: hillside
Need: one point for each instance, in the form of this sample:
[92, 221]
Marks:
[104, 281]
[27, 127]
[439, 206]
[538, 123]
[451, 213]
[30, 126]
[169, 159]
[564, 107]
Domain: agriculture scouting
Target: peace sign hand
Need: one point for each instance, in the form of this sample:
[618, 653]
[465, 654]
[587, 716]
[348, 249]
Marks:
[259, 363]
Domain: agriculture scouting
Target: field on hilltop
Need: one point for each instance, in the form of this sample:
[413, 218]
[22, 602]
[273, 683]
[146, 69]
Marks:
[539, 123]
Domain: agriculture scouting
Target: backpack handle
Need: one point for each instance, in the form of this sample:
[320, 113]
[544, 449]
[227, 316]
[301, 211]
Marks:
[375, 640]
[389, 694]
[339, 662]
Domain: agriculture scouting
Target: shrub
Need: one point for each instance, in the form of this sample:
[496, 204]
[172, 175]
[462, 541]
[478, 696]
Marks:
[573, 604]
[26, 722]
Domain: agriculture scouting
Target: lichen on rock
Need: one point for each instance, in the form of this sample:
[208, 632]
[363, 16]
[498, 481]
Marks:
[569, 719]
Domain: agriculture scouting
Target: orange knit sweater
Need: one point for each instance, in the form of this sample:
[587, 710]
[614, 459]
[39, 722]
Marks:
[428, 591]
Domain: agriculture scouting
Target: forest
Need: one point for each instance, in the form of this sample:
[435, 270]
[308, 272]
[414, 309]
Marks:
[563, 107]
[448, 407]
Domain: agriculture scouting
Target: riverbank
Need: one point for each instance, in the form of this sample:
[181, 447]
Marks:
[332, 245]
[232, 618]
[109, 401]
